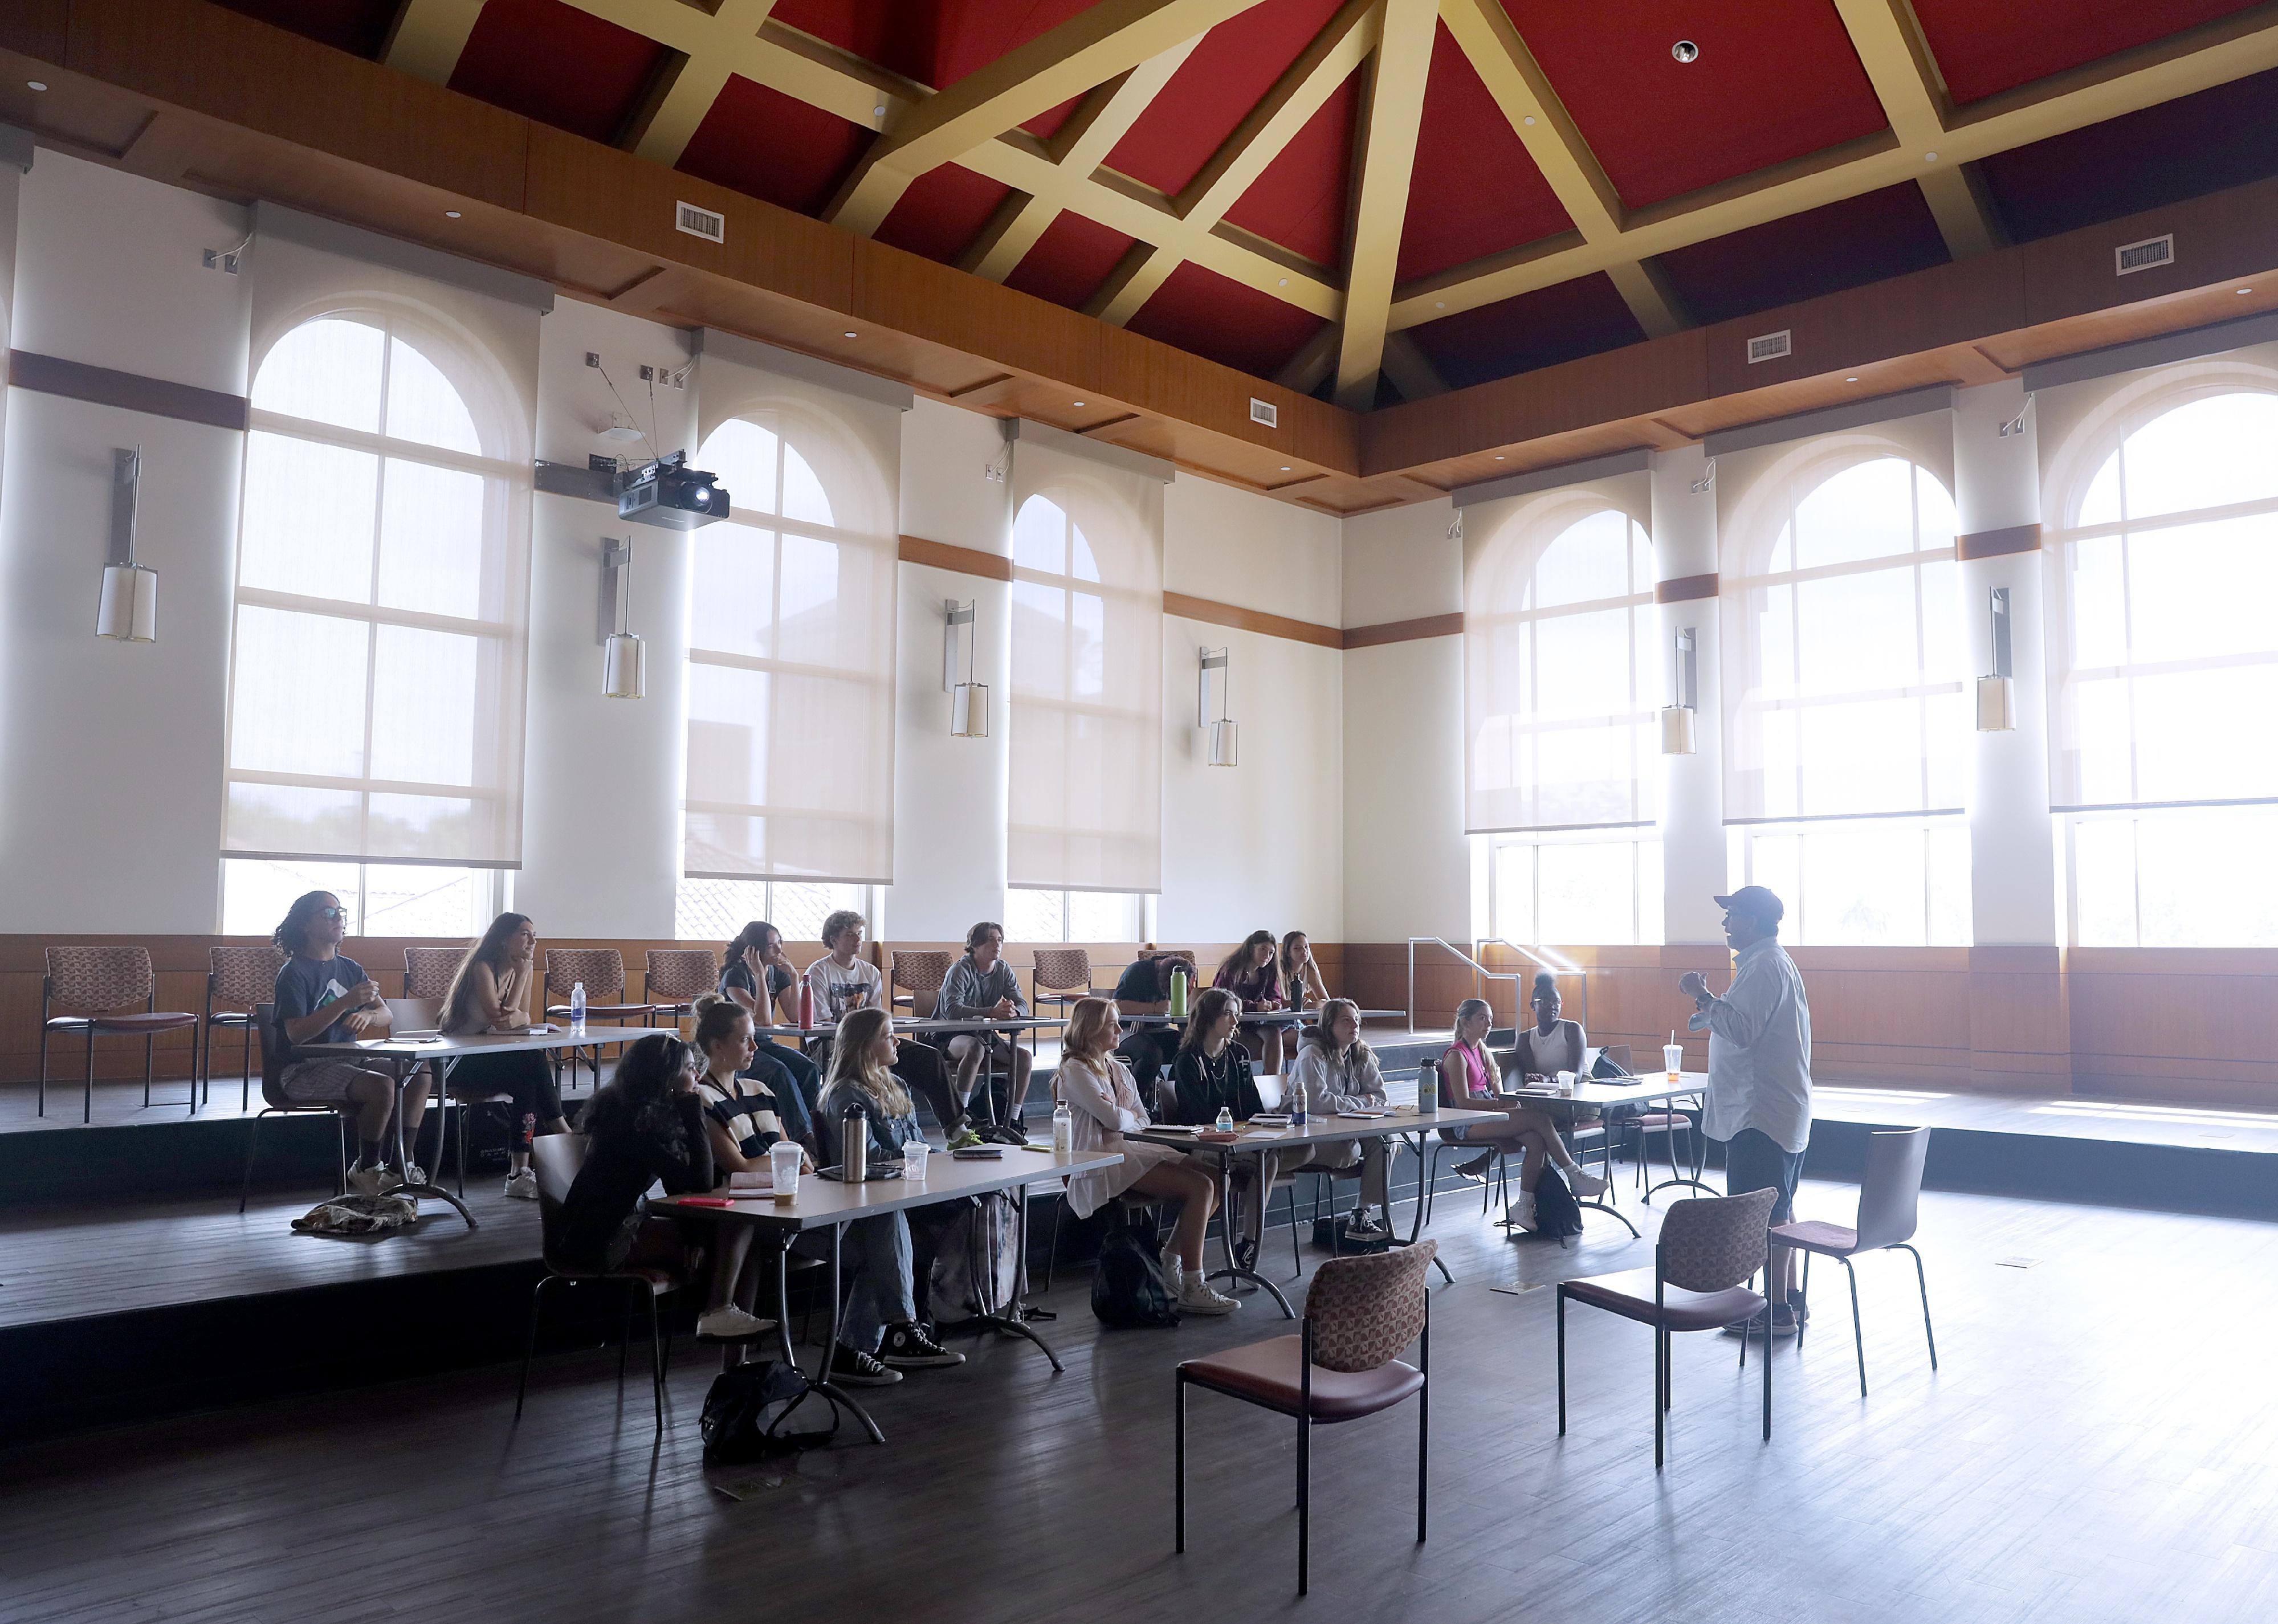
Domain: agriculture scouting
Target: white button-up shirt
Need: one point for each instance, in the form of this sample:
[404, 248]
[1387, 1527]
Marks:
[1760, 1050]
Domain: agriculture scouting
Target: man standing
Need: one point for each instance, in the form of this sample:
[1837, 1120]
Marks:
[1759, 1073]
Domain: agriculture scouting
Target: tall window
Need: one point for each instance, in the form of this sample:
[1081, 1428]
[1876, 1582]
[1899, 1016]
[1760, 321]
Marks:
[1077, 916]
[1560, 683]
[376, 681]
[1845, 726]
[715, 909]
[2165, 663]
[790, 676]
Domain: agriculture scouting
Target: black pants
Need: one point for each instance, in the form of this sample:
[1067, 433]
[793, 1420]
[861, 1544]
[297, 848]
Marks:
[523, 1074]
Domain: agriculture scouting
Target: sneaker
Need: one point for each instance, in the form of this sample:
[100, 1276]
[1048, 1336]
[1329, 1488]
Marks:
[373, 1180]
[415, 1174]
[1584, 1185]
[730, 1324]
[964, 1138]
[1245, 1255]
[851, 1367]
[1196, 1297]
[908, 1347]
[1783, 1324]
[1520, 1213]
[1366, 1225]
[523, 1187]
[1477, 1167]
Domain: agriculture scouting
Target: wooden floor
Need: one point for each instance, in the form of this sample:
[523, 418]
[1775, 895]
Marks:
[2101, 1444]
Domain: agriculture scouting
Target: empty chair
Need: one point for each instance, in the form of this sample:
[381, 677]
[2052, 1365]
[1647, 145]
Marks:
[427, 972]
[1061, 976]
[103, 984]
[913, 980]
[675, 977]
[1343, 1363]
[245, 977]
[1888, 1195]
[601, 971]
[1708, 1249]
[275, 1102]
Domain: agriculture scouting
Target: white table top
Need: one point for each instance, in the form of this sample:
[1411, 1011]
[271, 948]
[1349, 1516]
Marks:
[907, 1025]
[434, 1046]
[1640, 1090]
[1323, 1130]
[823, 1202]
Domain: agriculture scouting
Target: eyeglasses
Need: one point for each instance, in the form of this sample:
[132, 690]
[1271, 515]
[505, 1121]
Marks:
[332, 913]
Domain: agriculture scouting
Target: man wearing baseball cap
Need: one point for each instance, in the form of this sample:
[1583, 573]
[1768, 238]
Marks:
[1758, 1073]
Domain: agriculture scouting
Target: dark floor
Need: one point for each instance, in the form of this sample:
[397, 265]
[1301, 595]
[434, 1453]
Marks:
[2100, 1444]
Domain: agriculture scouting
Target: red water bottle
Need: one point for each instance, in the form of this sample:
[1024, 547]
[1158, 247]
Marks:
[806, 1004]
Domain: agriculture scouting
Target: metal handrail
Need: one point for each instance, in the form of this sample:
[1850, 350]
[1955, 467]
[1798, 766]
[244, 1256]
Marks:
[1558, 965]
[1481, 975]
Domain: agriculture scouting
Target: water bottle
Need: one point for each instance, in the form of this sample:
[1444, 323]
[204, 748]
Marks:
[806, 1004]
[577, 1007]
[1179, 990]
[853, 1146]
[1296, 1104]
[1427, 1087]
[1063, 1130]
[1224, 1124]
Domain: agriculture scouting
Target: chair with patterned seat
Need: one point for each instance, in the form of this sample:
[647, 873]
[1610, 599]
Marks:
[674, 978]
[1709, 1249]
[601, 971]
[428, 972]
[102, 984]
[1343, 1364]
[915, 978]
[245, 977]
[1061, 976]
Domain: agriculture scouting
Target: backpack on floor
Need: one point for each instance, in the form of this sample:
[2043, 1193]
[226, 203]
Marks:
[978, 1267]
[1555, 1211]
[1127, 1282]
[745, 1402]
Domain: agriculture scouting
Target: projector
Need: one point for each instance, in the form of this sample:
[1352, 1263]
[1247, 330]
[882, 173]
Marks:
[669, 494]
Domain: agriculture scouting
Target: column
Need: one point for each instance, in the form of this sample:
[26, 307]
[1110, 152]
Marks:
[1692, 787]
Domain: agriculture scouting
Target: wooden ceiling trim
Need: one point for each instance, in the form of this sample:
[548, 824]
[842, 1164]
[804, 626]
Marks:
[1212, 612]
[1392, 111]
[956, 559]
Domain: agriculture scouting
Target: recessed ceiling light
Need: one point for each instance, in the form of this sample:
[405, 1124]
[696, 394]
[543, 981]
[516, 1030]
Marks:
[450, 214]
[1075, 403]
[1851, 380]
[1498, 456]
[2245, 290]
[1284, 468]
[1439, 304]
[1685, 50]
[1529, 119]
[35, 84]
[1284, 282]
[851, 335]
[877, 113]
[1930, 157]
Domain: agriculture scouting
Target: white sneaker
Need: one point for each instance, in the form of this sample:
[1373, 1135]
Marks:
[730, 1324]
[1366, 1225]
[413, 1174]
[1196, 1297]
[523, 1187]
[373, 1180]
[1173, 1272]
[1520, 1213]
[1585, 1184]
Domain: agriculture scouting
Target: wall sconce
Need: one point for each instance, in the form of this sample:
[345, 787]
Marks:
[624, 658]
[129, 607]
[1997, 694]
[1677, 720]
[968, 700]
[2016, 425]
[1224, 734]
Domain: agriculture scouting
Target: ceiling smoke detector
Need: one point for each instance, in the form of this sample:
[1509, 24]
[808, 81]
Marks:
[1685, 50]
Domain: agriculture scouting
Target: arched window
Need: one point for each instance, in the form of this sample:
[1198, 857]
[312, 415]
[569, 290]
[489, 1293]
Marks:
[2161, 644]
[376, 679]
[1846, 730]
[1562, 679]
[789, 773]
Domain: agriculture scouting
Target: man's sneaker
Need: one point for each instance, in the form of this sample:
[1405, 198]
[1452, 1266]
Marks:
[730, 1324]
[523, 1187]
[1196, 1297]
[1366, 1225]
[1584, 1185]
[908, 1347]
[1783, 1324]
[373, 1180]
[1520, 1213]
[851, 1367]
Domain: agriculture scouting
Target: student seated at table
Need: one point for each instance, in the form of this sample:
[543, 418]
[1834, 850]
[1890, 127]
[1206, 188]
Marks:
[1468, 1075]
[322, 996]
[488, 995]
[1250, 975]
[845, 982]
[882, 1332]
[1144, 986]
[1301, 977]
[1540, 1052]
[646, 1126]
[1105, 1104]
[982, 986]
[759, 975]
[1337, 1072]
[741, 1117]
[1212, 1073]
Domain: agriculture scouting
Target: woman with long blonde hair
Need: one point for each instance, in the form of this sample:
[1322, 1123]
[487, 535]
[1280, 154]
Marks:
[1336, 1071]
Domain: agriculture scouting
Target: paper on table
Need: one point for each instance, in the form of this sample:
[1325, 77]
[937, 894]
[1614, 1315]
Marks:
[540, 1029]
[1270, 1134]
[759, 1183]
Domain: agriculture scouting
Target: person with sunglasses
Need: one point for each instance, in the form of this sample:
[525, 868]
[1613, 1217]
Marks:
[323, 996]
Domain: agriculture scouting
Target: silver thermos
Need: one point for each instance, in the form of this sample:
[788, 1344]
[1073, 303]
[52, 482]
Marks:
[1427, 1087]
[853, 1147]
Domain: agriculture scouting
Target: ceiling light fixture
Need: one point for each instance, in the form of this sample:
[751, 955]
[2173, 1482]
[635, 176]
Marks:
[1529, 120]
[1284, 468]
[1851, 380]
[35, 84]
[450, 214]
[1439, 304]
[2245, 290]
[1930, 157]
[1075, 403]
[850, 335]
[1685, 50]
[877, 113]
[1285, 282]
[1498, 456]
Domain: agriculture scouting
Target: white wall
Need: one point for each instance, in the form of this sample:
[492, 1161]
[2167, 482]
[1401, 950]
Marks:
[1692, 787]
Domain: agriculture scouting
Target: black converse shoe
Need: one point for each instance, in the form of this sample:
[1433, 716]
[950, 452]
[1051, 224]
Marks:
[908, 1347]
[851, 1367]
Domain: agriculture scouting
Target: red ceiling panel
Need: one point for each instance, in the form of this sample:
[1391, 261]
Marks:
[1215, 89]
[1539, 329]
[1982, 50]
[358, 26]
[1299, 200]
[557, 64]
[1475, 191]
[944, 210]
[937, 42]
[1070, 261]
[2221, 137]
[1776, 79]
[1822, 250]
[762, 143]
[1202, 311]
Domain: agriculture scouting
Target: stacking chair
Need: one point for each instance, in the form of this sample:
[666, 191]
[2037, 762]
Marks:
[557, 1157]
[275, 1104]
[676, 977]
[915, 980]
[1343, 1363]
[102, 984]
[1702, 1261]
[603, 970]
[428, 972]
[1885, 1222]
[1061, 975]
[240, 976]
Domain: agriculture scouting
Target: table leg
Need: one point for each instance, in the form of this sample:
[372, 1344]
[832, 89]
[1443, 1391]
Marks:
[1009, 1324]
[1233, 1270]
[821, 1380]
[1415, 1143]
[420, 1192]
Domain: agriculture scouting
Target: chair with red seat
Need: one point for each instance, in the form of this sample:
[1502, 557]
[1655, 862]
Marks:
[1885, 1222]
[1343, 1364]
[1708, 1250]
[100, 983]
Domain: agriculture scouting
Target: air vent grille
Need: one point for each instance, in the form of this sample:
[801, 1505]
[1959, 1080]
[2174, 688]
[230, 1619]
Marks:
[2148, 254]
[700, 221]
[1265, 412]
[1769, 347]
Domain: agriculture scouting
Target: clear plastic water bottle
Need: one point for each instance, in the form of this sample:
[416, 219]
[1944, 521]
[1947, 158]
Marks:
[577, 1007]
[1063, 1130]
[1224, 1124]
[1297, 1106]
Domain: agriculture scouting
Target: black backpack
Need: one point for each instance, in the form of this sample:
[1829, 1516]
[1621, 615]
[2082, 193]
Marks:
[1556, 1212]
[1126, 1284]
[745, 1402]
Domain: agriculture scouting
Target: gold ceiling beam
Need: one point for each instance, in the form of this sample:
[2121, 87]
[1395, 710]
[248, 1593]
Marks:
[1089, 49]
[2213, 54]
[1386, 158]
[1410, 369]
[1907, 81]
[1081, 146]
[1334, 56]
[427, 35]
[689, 84]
